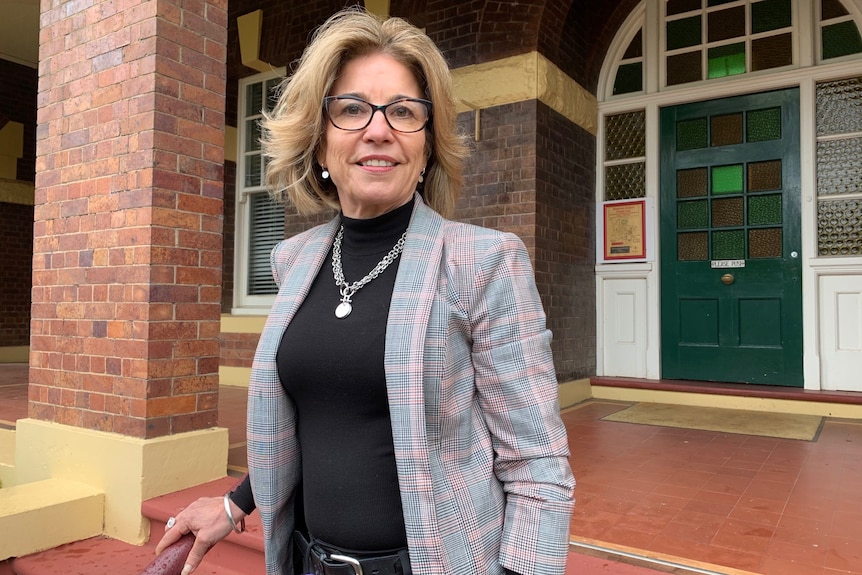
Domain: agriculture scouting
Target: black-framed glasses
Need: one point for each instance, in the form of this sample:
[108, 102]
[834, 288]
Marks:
[353, 113]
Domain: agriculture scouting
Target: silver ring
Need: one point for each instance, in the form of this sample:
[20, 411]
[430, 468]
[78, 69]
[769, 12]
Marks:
[171, 522]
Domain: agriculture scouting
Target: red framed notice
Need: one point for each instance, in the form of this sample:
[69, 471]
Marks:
[624, 234]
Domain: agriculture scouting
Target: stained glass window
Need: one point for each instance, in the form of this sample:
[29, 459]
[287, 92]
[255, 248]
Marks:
[625, 148]
[839, 155]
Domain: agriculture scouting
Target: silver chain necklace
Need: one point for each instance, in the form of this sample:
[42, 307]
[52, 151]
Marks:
[347, 290]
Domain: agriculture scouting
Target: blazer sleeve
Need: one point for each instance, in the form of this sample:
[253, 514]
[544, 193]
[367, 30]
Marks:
[517, 387]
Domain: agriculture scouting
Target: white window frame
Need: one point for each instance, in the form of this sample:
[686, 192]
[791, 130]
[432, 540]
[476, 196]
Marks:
[243, 303]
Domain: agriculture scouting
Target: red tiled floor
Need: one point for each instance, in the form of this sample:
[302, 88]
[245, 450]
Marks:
[760, 505]
[720, 501]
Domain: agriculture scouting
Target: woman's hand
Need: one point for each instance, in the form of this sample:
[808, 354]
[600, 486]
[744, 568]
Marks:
[206, 518]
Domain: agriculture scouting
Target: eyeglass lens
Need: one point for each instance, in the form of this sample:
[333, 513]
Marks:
[351, 113]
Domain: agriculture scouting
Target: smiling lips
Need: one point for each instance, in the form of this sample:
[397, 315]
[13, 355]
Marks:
[376, 163]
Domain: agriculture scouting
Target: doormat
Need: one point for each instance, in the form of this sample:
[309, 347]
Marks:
[762, 423]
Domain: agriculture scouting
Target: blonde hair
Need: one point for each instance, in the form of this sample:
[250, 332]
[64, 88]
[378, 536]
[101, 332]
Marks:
[293, 132]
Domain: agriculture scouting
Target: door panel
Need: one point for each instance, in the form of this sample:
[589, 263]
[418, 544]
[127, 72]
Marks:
[730, 233]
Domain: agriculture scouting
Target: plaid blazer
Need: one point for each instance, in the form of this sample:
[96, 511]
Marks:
[481, 452]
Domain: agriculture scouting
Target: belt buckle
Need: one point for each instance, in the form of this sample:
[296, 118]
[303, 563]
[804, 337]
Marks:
[357, 568]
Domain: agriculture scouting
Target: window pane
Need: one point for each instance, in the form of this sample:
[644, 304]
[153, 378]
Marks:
[272, 93]
[726, 130]
[629, 78]
[770, 15]
[625, 136]
[253, 99]
[841, 39]
[727, 179]
[683, 33]
[691, 134]
[252, 135]
[266, 228]
[635, 49]
[727, 212]
[728, 245]
[763, 176]
[726, 60]
[252, 171]
[764, 210]
[831, 9]
[680, 6]
[625, 181]
[683, 68]
[838, 164]
[726, 24]
[839, 226]
[691, 215]
[772, 52]
[763, 125]
[764, 243]
[691, 247]
[712, 3]
[839, 106]
[691, 183]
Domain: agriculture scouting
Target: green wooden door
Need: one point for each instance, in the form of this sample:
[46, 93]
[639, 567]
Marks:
[731, 293]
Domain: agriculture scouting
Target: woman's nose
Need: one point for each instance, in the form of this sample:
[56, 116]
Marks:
[379, 126]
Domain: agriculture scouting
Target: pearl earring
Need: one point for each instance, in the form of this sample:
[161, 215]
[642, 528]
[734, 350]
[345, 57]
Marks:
[324, 174]
[422, 176]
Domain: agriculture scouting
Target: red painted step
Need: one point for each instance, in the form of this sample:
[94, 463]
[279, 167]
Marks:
[238, 554]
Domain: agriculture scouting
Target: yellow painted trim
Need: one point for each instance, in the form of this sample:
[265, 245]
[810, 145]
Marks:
[7, 447]
[234, 376]
[7, 458]
[574, 392]
[525, 77]
[128, 470]
[17, 192]
[230, 144]
[839, 410]
[12, 140]
[250, 27]
[242, 323]
[44, 514]
[378, 7]
[15, 354]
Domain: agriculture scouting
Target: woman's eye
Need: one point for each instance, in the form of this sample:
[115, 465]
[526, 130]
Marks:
[352, 110]
[402, 112]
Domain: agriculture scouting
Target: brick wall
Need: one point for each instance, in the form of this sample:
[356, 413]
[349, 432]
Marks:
[237, 349]
[532, 173]
[16, 239]
[18, 104]
[128, 218]
[565, 243]
[499, 176]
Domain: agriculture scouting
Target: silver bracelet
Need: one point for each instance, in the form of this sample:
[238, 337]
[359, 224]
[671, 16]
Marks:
[238, 528]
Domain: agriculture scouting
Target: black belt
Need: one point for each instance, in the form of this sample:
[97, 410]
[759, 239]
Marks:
[322, 559]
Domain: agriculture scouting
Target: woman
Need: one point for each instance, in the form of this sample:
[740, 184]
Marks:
[403, 412]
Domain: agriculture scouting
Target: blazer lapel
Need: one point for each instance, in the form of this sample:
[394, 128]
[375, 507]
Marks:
[406, 333]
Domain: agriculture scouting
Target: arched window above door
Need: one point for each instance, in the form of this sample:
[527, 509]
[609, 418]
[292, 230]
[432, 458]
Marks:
[706, 40]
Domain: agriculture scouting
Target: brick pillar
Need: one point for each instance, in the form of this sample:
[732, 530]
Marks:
[128, 217]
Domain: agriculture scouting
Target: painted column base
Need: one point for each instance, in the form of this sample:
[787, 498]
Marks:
[127, 470]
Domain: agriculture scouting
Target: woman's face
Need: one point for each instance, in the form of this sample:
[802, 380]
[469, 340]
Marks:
[375, 169]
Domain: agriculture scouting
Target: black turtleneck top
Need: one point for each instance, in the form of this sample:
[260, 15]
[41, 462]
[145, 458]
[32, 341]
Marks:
[333, 371]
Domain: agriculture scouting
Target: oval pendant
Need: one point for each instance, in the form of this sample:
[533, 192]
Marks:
[343, 310]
